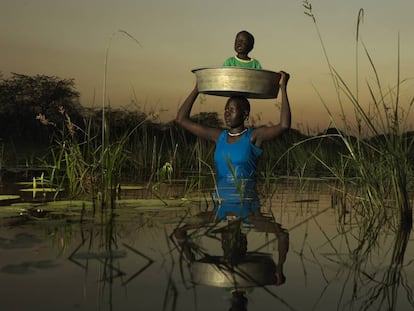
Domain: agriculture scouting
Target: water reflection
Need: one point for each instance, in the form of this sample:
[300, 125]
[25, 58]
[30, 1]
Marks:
[104, 247]
[26, 267]
[20, 240]
[236, 269]
[380, 288]
[127, 261]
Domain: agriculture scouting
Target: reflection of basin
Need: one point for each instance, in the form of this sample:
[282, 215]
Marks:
[230, 81]
[256, 269]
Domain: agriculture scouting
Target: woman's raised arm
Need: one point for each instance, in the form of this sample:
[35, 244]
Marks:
[265, 133]
[183, 119]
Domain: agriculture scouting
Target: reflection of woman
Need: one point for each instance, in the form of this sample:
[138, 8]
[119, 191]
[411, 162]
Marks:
[237, 150]
[238, 301]
[238, 268]
[234, 244]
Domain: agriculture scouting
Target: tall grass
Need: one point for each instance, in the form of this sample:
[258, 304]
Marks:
[109, 155]
[381, 165]
[135, 148]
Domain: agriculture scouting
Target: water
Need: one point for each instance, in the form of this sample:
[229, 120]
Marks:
[129, 262]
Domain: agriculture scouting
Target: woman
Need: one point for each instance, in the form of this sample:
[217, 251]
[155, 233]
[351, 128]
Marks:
[237, 150]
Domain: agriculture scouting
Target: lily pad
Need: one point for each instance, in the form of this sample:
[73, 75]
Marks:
[20, 241]
[40, 189]
[25, 205]
[11, 211]
[7, 197]
[133, 187]
[150, 203]
[73, 204]
[28, 267]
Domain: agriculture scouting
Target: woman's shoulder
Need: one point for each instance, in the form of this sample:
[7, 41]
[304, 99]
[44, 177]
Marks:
[223, 134]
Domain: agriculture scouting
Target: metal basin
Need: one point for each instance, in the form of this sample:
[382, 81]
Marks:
[237, 81]
[255, 270]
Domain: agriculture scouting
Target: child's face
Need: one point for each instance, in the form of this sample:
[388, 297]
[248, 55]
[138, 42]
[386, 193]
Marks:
[243, 44]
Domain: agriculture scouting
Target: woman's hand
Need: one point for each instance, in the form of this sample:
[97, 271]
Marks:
[284, 78]
[280, 278]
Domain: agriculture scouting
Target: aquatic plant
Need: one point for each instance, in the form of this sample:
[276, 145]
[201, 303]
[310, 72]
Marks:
[381, 166]
[76, 159]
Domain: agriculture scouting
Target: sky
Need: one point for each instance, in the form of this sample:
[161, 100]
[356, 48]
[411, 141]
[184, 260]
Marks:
[145, 50]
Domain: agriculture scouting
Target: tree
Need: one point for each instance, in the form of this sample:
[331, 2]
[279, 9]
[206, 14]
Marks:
[23, 97]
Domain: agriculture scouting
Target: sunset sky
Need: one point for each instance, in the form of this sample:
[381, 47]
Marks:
[69, 39]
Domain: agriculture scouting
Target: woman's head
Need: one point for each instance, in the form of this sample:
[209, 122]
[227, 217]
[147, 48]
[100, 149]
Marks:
[238, 300]
[236, 111]
[244, 42]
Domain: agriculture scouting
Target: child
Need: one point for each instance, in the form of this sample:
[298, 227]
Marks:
[243, 45]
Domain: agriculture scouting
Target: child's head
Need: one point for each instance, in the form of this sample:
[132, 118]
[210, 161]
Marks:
[244, 42]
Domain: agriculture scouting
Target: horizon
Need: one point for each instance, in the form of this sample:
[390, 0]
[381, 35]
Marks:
[152, 47]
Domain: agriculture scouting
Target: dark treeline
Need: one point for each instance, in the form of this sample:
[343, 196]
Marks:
[38, 113]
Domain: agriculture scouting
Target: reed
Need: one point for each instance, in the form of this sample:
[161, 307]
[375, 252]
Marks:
[379, 155]
[66, 163]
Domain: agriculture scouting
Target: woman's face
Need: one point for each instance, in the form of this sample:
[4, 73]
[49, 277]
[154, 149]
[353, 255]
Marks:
[233, 115]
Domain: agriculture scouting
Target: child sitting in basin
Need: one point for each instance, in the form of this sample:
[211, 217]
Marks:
[243, 45]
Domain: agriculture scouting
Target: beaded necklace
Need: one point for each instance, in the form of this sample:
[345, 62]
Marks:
[237, 134]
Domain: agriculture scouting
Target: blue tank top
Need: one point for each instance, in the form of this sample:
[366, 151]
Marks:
[236, 176]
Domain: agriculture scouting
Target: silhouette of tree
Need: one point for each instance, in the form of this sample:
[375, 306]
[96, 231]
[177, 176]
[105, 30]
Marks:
[24, 97]
[208, 118]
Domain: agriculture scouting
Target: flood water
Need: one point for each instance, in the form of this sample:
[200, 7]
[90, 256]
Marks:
[131, 262]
